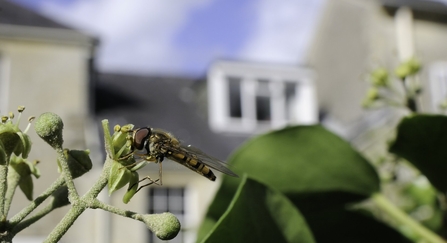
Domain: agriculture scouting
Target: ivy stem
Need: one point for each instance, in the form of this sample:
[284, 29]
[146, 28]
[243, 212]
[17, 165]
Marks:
[3, 188]
[35, 217]
[73, 195]
[13, 182]
[109, 208]
[37, 201]
[83, 203]
[402, 218]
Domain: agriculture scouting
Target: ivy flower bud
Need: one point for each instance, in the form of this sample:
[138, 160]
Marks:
[165, 225]
[407, 68]
[49, 127]
[380, 77]
[121, 145]
[371, 96]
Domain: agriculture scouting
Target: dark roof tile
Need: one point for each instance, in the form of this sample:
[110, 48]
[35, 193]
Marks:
[14, 14]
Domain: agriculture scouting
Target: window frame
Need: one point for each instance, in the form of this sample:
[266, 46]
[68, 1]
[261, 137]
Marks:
[304, 110]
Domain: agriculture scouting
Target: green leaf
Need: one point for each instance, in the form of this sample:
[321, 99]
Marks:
[119, 177]
[306, 159]
[27, 186]
[422, 140]
[79, 162]
[133, 187]
[338, 224]
[260, 214]
[24, 146]
[302, 162]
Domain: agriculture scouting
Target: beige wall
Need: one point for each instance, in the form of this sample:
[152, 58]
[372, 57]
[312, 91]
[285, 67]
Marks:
[45, 75]
[339, 54]
[355, 37]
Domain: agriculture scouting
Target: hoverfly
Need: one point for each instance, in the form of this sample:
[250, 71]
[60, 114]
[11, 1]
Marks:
[157, 144]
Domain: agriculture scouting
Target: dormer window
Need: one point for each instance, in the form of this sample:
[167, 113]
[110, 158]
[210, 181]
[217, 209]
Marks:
[249, 98]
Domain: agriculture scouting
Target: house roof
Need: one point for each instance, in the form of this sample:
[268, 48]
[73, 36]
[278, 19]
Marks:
[17, 22]
[430, 10]
[173, 104]
[14, 14]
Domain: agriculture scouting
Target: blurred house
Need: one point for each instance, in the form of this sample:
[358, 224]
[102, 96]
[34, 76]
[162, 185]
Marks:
[44, 66]
[355, 37]
[236, 101]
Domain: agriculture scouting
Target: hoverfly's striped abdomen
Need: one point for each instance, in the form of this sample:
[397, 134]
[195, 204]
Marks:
[192, 163]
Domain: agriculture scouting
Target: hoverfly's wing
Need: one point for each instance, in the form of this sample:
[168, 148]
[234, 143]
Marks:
[207, 160]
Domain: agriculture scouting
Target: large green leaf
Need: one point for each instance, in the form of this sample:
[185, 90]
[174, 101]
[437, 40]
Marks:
[422, 140]
[260, 214]
[338, 224]
[306, 159]
[301, 161]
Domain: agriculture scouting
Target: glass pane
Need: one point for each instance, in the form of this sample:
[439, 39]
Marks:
[167, 200]
[160, 201]
[235, 105]
[263, 112]
[176, 201]
[290, 91]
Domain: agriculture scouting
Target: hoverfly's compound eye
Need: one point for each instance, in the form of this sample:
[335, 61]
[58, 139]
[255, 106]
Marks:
[140, 137]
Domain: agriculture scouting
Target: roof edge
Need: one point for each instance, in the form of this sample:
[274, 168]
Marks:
[33, 33]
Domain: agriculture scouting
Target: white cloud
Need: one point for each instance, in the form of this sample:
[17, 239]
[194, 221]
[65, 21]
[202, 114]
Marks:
[135, 35]
[138, 35]
[283, 30]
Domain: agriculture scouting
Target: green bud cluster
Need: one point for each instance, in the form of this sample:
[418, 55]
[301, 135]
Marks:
[408, 68]
[382, 90]
[12, 139]
[124, 167]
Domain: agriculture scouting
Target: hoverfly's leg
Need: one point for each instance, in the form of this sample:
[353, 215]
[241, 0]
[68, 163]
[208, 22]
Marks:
[160, 174]
[148, 159]
[160, 169]
[126, 156]
[148, 184]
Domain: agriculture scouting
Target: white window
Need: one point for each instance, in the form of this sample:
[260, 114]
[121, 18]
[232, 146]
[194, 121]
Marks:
[253, 98]
[168, 199]
[438, 84]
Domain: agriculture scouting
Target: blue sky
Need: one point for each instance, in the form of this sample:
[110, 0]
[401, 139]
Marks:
[174, 37]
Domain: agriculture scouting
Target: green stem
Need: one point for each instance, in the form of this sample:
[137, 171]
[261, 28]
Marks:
[402, 218]
[37, 201]
[3, 188]
[66, 222]
[78, 208]
[13, 182]
[73, 195]
[25, 223]
[109, 208]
